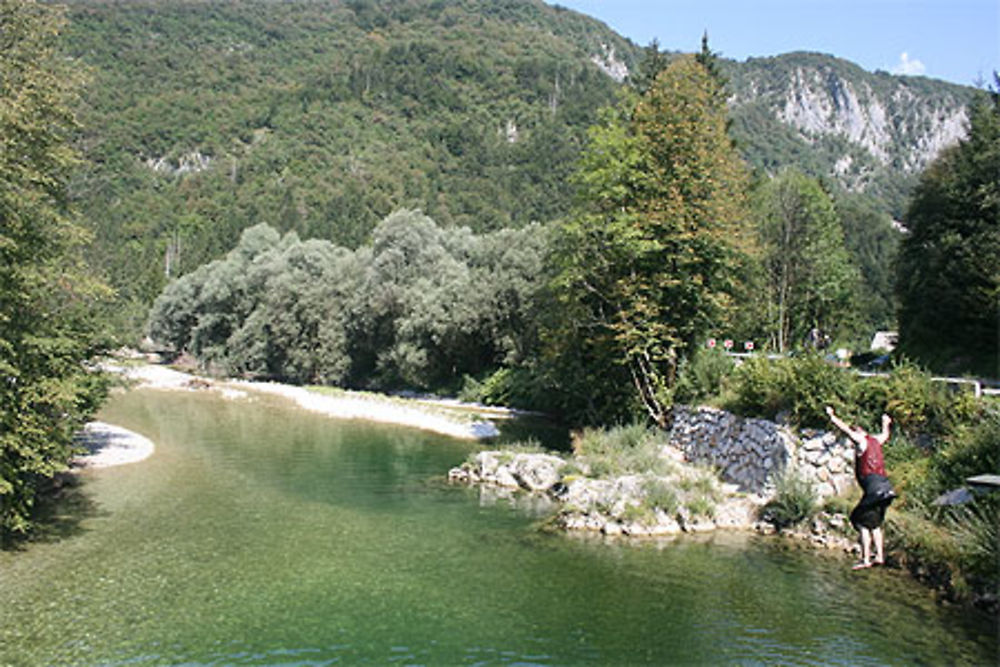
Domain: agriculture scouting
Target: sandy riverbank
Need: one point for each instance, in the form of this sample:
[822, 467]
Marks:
[109, 445]
[414, 413]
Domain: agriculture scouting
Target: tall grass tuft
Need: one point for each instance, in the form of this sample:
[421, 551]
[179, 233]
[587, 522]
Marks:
[794, 500]
[622, 450]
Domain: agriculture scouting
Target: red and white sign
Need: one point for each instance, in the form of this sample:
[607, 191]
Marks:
[748, 346]
[711, 343]
[728, 343]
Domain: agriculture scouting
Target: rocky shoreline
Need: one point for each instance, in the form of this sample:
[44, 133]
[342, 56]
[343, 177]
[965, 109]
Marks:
[712, 471]
[687, 500]
[107, 445]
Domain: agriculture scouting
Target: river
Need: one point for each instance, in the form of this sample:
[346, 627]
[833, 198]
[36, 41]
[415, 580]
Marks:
[261, 534]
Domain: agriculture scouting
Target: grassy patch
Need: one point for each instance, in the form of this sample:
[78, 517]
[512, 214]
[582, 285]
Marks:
[794, 500]
[622, 450]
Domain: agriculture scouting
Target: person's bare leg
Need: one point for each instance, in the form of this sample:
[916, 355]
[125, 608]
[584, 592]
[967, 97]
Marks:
[866, 549]
[878, 537]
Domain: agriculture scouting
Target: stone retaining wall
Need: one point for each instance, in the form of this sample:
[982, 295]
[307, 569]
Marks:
[752, 452]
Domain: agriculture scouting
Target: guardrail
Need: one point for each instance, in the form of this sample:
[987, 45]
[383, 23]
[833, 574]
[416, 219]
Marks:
[978, 389]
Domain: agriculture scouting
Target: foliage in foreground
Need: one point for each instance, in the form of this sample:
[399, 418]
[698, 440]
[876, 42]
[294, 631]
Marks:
[941, 437]
[46, 329]
[794, 500]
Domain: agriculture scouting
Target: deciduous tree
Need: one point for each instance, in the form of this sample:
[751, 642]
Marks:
[948, 274]
[810, 279]
[46, 328]
[647, 265]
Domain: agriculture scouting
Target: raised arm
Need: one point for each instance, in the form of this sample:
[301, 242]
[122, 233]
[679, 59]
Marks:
[883, 437]
[856, 435]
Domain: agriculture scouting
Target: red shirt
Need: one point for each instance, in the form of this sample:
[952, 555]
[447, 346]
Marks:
[870, 462]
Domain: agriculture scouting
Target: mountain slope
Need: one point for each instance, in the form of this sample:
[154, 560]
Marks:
[322, 116]
[872, 133]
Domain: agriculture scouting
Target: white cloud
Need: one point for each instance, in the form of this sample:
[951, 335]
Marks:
[908, 67]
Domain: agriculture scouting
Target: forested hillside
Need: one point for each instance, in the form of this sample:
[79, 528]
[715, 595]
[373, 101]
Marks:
[322, 117]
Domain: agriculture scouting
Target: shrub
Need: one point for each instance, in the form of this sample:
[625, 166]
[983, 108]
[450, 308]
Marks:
[970, 451]
[794, 500]
[923, 546]
[660, 495]
[702, 376]
[921, 406]
[621, 450]
[638, 514]
[701, 506]
[801, 387]
[976, 530]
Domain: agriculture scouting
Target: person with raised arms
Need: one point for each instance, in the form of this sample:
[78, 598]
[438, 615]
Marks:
[869, 469]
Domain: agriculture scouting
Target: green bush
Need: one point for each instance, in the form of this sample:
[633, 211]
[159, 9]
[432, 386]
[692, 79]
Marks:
[970, 451]
[976, 530]
[794, 500]
[923, 546]
[921, 406]
[701, 506]
[660, 495]
[702, 376]
[800, 387]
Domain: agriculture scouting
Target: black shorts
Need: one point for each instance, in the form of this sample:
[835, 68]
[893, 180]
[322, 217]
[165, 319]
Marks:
[870, 510]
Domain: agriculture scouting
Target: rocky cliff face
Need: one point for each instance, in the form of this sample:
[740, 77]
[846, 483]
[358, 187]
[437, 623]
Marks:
[819, 105]
[872, 132]
[894, 124]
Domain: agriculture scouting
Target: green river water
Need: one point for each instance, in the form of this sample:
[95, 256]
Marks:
[261, 534]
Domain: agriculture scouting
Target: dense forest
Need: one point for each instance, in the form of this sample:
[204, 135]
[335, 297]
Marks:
[202, 119]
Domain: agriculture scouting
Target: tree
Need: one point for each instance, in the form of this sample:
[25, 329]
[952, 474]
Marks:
[810, 280]
[948, 272]
[46, 328]
[872, 243]
[421, 307]
[652, 63]
[709, 59]
[647, 266]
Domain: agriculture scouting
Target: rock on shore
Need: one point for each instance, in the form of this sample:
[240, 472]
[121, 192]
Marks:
[713, 470]
[688, 499]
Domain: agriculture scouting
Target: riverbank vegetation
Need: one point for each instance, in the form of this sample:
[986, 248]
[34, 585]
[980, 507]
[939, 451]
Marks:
[47, 328]
[400, 218]
[940, 438]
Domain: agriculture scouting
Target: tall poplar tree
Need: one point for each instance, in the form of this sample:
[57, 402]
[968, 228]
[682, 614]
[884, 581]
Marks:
[47, 331]
[648, 264]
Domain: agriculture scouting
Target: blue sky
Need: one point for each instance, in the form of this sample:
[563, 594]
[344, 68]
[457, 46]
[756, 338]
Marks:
[955, 40]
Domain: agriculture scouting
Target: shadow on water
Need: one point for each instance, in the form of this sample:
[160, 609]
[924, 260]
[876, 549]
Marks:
[61, 508]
